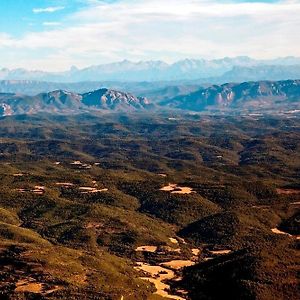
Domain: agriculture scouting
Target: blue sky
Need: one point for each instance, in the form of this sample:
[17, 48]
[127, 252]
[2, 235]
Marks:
[18, 17]
[56, 34]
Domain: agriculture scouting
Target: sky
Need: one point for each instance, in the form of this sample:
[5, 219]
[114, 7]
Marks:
[54, 35]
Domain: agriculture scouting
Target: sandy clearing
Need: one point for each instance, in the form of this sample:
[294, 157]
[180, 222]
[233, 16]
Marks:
[81, 165]
[207, 258]
[86, 166]
[155, 271]
[177, 250]
[161, 288]
[64, 184]
[23, 286]
[196, 251]
[220, 252]
[182, 292]
[56, 288]
[76, 163]
[162, 175]
[183, 190]
[282, 191]
[91, 190]
[39, 190]
[175, 189]
[173, 240]
[168, 188]
[178, 264]
[103, 190]
[39, 187]
[85, 188]
[277, 231]
[158, 275]
[179, 278]
[146, 249]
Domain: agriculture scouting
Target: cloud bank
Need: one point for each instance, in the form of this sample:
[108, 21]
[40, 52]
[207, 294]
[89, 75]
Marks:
[106, 31]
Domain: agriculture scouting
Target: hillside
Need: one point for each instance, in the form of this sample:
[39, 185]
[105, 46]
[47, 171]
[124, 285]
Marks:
[148, 206]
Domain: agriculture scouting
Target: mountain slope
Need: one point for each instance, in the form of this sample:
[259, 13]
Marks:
[109, 99]
[261, 96]
[247, 95]
[67, 102]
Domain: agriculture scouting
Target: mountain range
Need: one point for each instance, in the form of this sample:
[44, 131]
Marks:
[65, 102]
[247, 95]
[222, 70]
[252, 96]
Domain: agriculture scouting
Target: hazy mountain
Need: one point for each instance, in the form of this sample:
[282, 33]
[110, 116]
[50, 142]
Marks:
[188, 69]
[68, 102]
[152, 90]
[255, 73]
[260, 95]
[168, 92]
[250, 95]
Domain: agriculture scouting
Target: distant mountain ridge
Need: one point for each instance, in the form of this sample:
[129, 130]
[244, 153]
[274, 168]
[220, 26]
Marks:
[65, 102]
[256, 73]
[246, 95]
[252, 96]
[153, 89]
[187, 69]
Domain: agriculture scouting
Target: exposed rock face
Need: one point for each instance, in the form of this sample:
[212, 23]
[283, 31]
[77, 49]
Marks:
[110, 99]
[67, 102]
[261, 93]
[253, 96]
[5, 110]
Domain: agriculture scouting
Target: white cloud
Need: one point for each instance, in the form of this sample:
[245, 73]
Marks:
[6, 40]
[51, 23]
[50, 9]
[169, 30]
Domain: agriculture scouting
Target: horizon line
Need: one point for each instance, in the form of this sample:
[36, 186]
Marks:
[153, 61]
